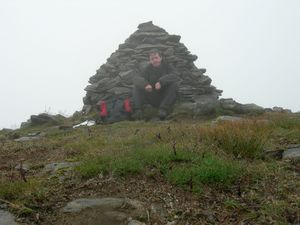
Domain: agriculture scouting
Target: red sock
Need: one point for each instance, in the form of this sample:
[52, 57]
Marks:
[103, 112]
[127, 105]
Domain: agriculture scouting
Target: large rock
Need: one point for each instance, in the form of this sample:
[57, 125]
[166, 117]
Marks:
[281, 110]
[42, 119]
[230, 105]
[114, 79]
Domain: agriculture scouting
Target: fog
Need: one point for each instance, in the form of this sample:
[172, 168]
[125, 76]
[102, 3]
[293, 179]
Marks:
[49, 49]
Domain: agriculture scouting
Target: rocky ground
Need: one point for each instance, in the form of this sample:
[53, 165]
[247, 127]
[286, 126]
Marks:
[230, 170]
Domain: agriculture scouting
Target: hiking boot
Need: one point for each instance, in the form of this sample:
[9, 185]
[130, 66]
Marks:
[137, 115]
[162, 114]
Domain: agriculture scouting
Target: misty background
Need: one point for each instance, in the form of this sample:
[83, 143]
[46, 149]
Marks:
[49, 49]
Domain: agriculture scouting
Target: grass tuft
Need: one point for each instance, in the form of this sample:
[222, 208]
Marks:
[128, 165]
[242, 139]
[91, 168]
[12, 190]
[208, 170]
[285, 122]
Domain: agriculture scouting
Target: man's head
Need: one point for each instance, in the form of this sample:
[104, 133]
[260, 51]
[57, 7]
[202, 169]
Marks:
[155, 57]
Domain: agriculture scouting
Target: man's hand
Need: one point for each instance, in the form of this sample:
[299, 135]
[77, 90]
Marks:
[148, 88]
[157, 86]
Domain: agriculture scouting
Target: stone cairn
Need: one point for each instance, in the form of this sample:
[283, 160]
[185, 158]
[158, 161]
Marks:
[114, 79]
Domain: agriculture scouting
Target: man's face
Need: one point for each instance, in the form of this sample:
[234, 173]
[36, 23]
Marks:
[155, 59]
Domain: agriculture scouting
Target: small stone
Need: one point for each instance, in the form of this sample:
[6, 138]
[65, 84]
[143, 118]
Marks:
[31, 137]
[158, 209]
[135, 222]
[24, 167]
[171, 223]
[24, 139]
[127, 75]
[54, 167]
[292, 153]
[228, 103]
[275, 154]
[7, 218]
[3, 206]
[228, 118]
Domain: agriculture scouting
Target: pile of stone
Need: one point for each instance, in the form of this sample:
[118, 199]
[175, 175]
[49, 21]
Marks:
[228, 105]
[43, 118]
[278, 110]
[114, 79]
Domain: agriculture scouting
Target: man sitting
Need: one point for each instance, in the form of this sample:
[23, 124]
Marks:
[157, 86]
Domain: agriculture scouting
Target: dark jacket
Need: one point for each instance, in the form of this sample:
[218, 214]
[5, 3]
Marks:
[165, 74]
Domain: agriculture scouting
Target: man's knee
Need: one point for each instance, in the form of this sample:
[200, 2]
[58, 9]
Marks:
[175, 86]
[137, 91]
[172, 88]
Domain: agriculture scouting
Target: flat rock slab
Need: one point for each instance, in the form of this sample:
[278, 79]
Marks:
[79, 204]
[292, 153]
[24, 139]
[222, 119]
[228, 118]
[135, 222]
[6, 218]
[31, 137]
[103, 211]
[54, 167]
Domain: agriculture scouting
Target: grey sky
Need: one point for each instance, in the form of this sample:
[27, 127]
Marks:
[49, 49]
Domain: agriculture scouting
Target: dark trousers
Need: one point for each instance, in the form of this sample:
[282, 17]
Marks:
[162, 99]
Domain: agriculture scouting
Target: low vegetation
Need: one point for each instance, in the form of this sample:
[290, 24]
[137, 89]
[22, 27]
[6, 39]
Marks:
[184, 168]
[222, 162]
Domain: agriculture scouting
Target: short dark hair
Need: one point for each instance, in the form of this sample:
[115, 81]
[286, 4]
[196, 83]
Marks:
[155, 51]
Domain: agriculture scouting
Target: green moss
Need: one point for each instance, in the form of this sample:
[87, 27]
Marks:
[92, 168]
[128, 165]
[208, 170]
